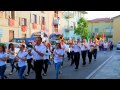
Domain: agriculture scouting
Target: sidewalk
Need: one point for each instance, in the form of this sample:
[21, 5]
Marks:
[111, 70]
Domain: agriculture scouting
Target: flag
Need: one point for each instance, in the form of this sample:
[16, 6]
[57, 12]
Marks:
[11, 22]
[34, 26]
[43, 27]
[103, 36]
[24, 28]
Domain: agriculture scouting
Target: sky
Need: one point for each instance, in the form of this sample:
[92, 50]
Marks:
[101, 14]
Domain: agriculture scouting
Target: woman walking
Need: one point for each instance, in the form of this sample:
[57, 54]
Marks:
[21, 58]
[58, 56]
[11, 51]
[3, 59]
[46, 60]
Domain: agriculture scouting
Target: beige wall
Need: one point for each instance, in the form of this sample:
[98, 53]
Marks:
[116, 30]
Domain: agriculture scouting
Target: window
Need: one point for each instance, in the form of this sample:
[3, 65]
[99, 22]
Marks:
[11, 35]
[13, 14]
[1, 14]
[34, 18]
[96, 30]
[43, 20]
[24, 21]
[56, 13]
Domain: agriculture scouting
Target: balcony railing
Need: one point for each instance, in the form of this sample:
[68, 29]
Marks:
[56, 21]
[68, 14]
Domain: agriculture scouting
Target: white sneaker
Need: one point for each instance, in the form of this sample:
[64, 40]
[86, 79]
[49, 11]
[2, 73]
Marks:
[10, 73]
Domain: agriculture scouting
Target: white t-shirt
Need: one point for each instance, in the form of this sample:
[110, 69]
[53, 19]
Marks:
[41, 48]
[105, 45]
[10, 55]
[56, 57]
[47, 54]
[76, 47]
[63, 46]
[3, 55]
[22, 63]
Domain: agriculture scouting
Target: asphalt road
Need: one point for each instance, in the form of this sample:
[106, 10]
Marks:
[68, 72]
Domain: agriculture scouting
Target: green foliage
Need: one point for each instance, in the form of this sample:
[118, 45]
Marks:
[82, 28]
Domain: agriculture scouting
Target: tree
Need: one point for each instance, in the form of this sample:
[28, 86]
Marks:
[82, 28]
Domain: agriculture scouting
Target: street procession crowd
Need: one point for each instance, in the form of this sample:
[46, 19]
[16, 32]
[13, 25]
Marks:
[38, 55]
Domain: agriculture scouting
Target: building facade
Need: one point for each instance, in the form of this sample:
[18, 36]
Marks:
[100, 26]
[116, 29]
[19, 24]
[69, 21]
[54, 21]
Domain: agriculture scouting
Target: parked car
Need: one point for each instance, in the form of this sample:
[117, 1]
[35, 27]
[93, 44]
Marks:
[118, 46]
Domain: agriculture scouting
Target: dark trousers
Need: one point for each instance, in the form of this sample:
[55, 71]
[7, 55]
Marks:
[2, 71]
[12, 64]
[72, 57]
[95, 53]
[89, 55]
[68, 55]
[38, 65]
[30, 66]
[84, 56]
[45, 65]
[76, 59]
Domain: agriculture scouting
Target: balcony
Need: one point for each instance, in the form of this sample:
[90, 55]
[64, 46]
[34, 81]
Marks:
[67, 29]
[55, 21]
[68, 14]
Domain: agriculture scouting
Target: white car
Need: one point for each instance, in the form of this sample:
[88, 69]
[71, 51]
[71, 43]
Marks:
[118, 46]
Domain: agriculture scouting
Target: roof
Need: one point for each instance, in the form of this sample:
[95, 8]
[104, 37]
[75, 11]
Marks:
[100, 19]
[115, 16]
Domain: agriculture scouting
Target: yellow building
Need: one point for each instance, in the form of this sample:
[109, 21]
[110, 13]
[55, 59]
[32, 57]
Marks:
[116, 29]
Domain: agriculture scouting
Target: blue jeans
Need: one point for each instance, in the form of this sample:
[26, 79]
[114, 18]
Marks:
[2, 71]
[21, 71]
[12, 64]
[57, 68]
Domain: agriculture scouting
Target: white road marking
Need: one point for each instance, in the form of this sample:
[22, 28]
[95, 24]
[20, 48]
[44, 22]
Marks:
[97, 69]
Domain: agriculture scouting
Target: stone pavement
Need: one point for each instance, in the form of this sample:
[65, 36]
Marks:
[111, 70]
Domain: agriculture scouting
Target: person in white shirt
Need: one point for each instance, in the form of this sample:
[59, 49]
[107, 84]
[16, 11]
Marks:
[22, 61]
[84, 50]
[3, 59]
[11, 52]
[62, 47]
[71, 53]
[95, 49]
[46, 60]
[58, 57]
[105, 46]
[29, 61]
[76, 49]
[38, 53]
[90, 50]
